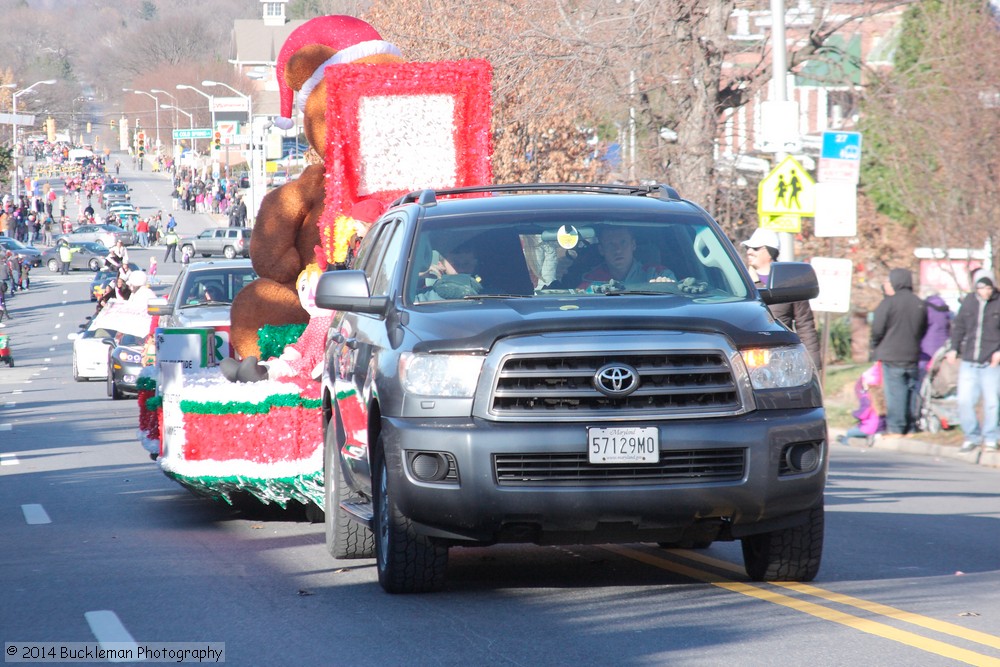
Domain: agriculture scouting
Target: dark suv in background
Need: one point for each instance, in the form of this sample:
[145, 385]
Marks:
[229, 242]
[115, 192]
[565, 364]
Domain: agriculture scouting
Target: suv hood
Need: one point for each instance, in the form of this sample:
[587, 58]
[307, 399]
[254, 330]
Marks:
[477, 325]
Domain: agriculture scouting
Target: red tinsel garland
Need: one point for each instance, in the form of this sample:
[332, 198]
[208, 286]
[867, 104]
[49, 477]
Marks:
[283, 434]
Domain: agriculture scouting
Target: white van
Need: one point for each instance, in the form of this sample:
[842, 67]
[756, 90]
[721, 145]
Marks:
[78, 154]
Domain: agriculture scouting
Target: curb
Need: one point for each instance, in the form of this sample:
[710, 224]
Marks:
[980, 457]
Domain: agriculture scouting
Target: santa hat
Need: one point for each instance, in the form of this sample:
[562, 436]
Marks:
[352, 39]
[367, 210]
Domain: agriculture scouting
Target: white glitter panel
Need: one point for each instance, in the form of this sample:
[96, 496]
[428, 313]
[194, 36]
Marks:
[406, 142]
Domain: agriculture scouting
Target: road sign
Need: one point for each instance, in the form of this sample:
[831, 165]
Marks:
[791, 224]
[840, 157]
[780, 127]
[196, 133]
[787, 190]
[834, 276]
[836, 209]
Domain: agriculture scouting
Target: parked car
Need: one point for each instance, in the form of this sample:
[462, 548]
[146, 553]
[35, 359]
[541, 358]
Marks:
[124, 365]
[27, 253]
[100, 233]
[89, 256]
[227, 241]
[202, 296]
[103, 278]
[571, 364]
[90, 353]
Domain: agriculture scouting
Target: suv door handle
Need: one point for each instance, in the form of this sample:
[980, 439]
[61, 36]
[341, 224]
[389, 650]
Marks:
[351, 343]
[337, 337]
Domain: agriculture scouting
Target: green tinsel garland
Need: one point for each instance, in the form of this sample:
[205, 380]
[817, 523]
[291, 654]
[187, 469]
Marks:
[154, 402]
[146, 383]
[272, 339]
[247, 408]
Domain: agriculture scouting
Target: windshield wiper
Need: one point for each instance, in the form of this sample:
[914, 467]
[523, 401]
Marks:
[497, 296]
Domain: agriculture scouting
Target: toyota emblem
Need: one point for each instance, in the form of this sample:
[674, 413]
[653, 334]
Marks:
[616, 380]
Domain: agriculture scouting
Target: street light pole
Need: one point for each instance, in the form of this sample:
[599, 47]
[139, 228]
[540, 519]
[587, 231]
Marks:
[254, 159]
[156, 109]
[210, 98]
[190, 118]
[173, 124]
[17, 174]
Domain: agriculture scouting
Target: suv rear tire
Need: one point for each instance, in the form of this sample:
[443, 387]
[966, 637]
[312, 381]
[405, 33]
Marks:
[789, 554]
[406, 562]
[229, 252]
[344, 538]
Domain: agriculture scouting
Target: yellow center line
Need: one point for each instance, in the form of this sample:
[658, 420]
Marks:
[884, 610]
[825, 613]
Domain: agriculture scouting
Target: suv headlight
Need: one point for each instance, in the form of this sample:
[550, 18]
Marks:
[778, 367]
[444, 375]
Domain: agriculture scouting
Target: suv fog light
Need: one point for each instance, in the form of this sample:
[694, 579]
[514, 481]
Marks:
[431, 466]
[801, 457]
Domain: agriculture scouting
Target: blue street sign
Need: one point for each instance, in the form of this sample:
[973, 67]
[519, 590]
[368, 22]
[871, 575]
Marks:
[841, 146]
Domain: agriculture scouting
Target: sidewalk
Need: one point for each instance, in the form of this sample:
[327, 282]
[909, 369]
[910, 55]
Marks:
[915, 445]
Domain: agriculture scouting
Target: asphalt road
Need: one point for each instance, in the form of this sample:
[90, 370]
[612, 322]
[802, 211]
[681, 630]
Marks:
[97, 544]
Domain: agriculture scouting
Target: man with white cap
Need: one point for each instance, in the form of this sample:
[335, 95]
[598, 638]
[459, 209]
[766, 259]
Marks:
[975, 337]
[762, 251]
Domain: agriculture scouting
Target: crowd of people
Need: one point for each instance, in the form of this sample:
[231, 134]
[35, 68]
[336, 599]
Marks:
[204, 194]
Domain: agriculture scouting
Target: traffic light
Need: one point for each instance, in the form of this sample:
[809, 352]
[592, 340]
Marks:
[218, 140]
[88, 127]
[141, 143]
[50, 128]
[112, 124]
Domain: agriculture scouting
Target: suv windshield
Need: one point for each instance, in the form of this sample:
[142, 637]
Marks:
[597, 254]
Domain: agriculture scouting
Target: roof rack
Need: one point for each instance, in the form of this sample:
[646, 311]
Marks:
[430, 197]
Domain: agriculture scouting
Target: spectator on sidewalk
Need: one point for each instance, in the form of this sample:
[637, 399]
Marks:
[762, 249]
[899, 325]
[976, 341]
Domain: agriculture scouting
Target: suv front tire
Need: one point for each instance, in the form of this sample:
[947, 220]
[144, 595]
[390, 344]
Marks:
[406, 562]
[344, 538]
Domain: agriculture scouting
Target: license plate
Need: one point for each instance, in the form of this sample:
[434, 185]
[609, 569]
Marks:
[627, 444]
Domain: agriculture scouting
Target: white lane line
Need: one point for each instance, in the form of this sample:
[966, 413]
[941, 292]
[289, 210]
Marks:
[8, 460]
[6, 427]
[16, 391]
[109, 630]
[59, 326]
[35, 514]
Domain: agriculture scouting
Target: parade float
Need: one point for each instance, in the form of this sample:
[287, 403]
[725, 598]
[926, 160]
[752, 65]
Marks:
[383, 127]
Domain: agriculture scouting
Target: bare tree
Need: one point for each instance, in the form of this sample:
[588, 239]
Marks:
[932, 126]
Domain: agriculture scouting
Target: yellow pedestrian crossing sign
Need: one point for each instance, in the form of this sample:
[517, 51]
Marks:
[787, 190]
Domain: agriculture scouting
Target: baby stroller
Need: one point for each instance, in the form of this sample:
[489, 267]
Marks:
[937, 396]
[5, 355]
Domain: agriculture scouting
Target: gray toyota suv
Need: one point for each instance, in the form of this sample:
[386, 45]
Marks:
[560, 364]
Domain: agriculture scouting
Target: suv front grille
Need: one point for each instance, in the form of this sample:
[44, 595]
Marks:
[674, 467]
[680, 384]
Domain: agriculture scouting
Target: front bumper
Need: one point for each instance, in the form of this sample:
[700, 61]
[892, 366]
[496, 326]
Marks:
[478, 507]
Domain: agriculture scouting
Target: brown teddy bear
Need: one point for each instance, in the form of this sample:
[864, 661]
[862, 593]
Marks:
[286, 231]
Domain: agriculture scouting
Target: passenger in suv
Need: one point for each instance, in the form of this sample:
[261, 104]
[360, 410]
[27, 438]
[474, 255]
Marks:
[529, 407]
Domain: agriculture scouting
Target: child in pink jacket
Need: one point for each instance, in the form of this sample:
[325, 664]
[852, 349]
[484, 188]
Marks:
[871, 407]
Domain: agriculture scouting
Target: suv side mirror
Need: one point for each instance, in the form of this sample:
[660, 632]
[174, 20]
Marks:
[159, 306]
[348, 290]
[790, 281]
